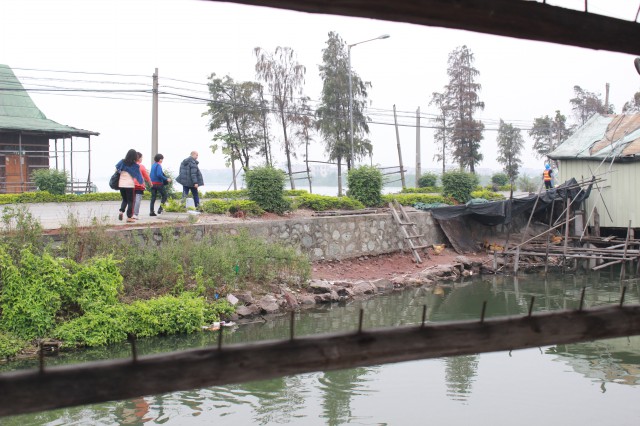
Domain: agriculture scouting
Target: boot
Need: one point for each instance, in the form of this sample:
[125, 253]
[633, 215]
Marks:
[160, 210]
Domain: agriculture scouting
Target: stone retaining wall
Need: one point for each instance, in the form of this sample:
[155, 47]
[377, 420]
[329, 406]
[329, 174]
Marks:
[329, 238]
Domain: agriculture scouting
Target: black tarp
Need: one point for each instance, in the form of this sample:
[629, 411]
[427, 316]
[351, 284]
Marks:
[499, 212]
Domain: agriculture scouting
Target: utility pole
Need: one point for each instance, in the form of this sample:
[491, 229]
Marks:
[154, 116]
[606, 98]
[395, 119]
[418, 161]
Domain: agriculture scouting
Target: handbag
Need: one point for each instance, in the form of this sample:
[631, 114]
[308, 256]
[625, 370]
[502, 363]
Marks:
[115, 180]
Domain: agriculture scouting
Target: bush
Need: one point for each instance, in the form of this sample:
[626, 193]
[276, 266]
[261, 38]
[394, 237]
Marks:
[500, 179]
[422, 190]
[365, 185]
[325, 202]
[10, 345]
[266, 187]
[459, 185]
[427, 180]
[51, 181]
[411, 199]
[175, 206]
[242, 193]
[216, 206]
[487, 195]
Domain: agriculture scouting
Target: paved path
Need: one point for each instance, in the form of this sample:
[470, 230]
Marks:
[55, 215]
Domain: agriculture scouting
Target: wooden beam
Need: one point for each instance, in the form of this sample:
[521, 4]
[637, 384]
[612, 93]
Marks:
[64, 386]
[518, 19]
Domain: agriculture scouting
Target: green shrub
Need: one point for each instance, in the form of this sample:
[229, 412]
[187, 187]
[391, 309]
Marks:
[365, 185]
[98, 282]
[20, 229]
[500, 179]
[423, 190]
[487, 195]
[175, 206]
[459, 185]
[411, 199]
[95, 328]
[295, 192]
[166, 315]
[10, 345]
[50, 180]
[427, 180]
[325, 202]
[266, 187]
[216, 206]
[242, 193]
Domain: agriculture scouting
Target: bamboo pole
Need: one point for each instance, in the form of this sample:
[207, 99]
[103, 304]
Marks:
[624, 256]
[65, 386]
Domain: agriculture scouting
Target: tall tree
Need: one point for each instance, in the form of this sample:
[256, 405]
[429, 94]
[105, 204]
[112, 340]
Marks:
[510, 145]
[633, 106]
[548, 133]
[584, 104]
[235, 116]
[462, 95]
[305, 124]
[285, 78]
[333, 112]
[443, 128]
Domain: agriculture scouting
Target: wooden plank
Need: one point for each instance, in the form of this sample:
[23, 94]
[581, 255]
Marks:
[520, 19]
[65, 386]
[394, 213]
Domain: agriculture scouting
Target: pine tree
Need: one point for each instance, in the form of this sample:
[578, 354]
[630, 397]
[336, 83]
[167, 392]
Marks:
[510, 144]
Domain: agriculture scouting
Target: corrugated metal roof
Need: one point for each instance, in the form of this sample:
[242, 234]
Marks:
[603, 136]
[18, 112]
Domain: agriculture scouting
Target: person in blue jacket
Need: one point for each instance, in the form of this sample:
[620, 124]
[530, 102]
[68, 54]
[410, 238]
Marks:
[158, 183]
[190, 177]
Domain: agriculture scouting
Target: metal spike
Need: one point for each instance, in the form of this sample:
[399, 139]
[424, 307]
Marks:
[41, 357]
[533, 298]
[581, 299]
[424, 315]
[360, 321]
[624, 290]
[292, 324]
[220, 338]
[134, 351]
[484, 309]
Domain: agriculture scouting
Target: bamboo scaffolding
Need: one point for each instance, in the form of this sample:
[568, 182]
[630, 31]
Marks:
[65, 386]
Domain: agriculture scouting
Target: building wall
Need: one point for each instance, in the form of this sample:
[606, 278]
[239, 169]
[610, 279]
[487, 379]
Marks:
[620, 190]
[35, 155]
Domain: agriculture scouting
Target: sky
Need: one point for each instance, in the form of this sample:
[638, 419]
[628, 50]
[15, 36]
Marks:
[118, 44]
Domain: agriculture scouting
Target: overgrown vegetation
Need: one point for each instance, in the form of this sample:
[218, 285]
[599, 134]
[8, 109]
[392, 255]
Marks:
[422, 190]
[234, 207]
[365, 185]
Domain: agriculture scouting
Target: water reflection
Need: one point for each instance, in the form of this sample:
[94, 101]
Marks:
[374, 395]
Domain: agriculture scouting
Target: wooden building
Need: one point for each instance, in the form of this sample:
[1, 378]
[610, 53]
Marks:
[30, 141]
[608, 147]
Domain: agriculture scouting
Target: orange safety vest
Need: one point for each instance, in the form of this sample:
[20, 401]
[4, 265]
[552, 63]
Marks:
[547, 175]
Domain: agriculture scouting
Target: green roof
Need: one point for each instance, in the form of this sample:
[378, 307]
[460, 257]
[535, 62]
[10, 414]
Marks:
[19, 113]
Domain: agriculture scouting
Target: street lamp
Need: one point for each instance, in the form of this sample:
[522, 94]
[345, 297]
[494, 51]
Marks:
[353, 158]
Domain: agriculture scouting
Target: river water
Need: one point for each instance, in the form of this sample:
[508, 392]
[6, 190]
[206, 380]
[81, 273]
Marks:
[595, 383]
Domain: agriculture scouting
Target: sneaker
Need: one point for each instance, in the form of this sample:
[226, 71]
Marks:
[160, 210]
[153, 214]
[130, 220]
[135, 217]
[120, 216]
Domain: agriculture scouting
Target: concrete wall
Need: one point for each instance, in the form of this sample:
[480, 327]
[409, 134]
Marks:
[327, 238]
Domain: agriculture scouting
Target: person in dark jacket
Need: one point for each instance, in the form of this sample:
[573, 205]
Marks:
[190, 177]
[158, 184]
[129, 172]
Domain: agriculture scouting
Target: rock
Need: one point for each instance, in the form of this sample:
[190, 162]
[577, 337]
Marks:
[466, 262]
[247, 311]
[307, 300]
[319, 286]
[245, 297]
[334, 296]
[267, 299]
[232, 299]
[291, 301]
[346, 284]
[269, 307]
[383, 285]
[345, 292]
[323, 298]
[362, 287]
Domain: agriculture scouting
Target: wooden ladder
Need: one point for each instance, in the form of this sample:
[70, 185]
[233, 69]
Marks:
[409, 230]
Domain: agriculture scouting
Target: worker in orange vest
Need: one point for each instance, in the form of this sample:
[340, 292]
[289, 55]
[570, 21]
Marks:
[547, 176]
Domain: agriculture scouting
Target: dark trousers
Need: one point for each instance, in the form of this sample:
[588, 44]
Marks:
[155, 189]
[194, 191]
[547, 184]
[128, 200]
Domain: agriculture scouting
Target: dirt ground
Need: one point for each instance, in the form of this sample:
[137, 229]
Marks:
[385, 265]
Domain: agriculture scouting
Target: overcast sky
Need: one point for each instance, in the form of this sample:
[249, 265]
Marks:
[188, 40]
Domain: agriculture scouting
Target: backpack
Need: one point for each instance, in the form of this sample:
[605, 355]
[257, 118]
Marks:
[115, 180]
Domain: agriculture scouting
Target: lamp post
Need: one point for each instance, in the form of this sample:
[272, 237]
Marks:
[353, 158]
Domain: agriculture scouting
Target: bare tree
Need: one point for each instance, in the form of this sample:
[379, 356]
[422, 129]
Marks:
[285, 78]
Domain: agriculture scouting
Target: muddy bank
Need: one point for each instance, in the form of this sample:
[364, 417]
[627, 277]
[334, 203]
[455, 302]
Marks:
[325, 287]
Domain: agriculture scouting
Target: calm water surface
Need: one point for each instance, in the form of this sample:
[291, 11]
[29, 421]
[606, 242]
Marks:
[596, 383]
